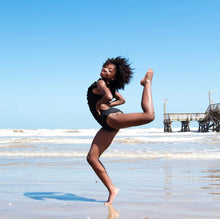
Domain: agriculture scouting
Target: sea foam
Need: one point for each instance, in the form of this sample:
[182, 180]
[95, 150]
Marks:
[129, 143]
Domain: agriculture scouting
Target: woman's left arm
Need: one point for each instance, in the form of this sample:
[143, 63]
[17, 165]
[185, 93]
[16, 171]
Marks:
[119, 100]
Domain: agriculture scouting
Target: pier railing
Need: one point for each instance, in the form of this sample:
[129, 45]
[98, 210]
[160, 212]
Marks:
[170, 117]
[213, 108]
[210, 120]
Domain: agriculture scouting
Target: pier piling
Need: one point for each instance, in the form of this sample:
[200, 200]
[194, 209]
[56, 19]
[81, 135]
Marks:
[210, 120]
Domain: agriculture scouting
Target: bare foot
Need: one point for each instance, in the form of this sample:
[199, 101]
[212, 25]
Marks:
[112, 196]
[148, 77]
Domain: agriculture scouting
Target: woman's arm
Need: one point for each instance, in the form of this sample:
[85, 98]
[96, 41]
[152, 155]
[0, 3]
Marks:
[119, 100]
[107, 96]
[104, 91]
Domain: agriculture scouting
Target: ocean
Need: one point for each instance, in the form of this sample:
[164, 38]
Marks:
[151, 143]
[44, 173]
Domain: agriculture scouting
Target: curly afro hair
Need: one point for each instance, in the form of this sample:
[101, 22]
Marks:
[123, 71]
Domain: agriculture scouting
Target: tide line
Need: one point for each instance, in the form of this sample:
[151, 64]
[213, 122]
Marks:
[154, 155]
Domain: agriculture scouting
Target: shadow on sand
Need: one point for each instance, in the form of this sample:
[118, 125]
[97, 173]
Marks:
[58, 196]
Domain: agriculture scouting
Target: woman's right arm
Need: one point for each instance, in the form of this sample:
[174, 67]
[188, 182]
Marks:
[106, 95]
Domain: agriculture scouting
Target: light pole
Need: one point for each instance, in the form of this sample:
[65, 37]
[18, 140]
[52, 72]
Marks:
[164, 105]
[210, 100]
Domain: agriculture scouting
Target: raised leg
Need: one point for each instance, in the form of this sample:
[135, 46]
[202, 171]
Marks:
[100, 143]
[119, 120]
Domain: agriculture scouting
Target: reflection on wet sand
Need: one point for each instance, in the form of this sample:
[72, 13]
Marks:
[213, 177]
[206, 179]
[112, 212]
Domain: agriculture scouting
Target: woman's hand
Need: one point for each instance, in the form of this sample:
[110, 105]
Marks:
[101, 106]
[119, 100]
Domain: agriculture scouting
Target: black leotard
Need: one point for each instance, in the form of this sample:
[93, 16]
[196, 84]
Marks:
[93, 99]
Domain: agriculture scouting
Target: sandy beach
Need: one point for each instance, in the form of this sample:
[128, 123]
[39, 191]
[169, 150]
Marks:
[66, 187]
[69, 189]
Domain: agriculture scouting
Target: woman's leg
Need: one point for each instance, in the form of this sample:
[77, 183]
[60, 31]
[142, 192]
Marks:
[100, 143]
[119, 120]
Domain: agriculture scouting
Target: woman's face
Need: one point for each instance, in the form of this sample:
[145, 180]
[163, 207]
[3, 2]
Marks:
[108, 72]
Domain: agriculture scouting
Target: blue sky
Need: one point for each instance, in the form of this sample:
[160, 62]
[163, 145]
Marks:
[52, 50]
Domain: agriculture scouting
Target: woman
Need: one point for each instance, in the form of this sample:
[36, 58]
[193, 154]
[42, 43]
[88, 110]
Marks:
[102, 96]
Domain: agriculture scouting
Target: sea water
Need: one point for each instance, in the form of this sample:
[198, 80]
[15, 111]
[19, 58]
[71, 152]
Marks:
[151, 143]
[161, 175]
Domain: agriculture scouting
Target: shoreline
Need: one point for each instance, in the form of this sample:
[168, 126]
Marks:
[154, 189]
[44, 174]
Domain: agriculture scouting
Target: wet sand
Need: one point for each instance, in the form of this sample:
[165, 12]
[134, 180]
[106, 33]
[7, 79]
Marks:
[68, 188]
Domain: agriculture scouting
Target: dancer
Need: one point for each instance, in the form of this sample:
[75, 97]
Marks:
[102, 97]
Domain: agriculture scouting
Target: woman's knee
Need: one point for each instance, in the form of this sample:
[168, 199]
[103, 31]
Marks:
[151, 116]
[91, 159]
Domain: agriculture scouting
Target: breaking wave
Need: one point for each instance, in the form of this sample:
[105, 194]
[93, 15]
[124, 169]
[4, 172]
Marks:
[129, 143]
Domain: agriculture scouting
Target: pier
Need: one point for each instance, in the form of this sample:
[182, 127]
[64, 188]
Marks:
[210, 120]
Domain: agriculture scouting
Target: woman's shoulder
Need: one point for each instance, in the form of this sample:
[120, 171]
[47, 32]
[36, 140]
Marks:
[102, 82]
